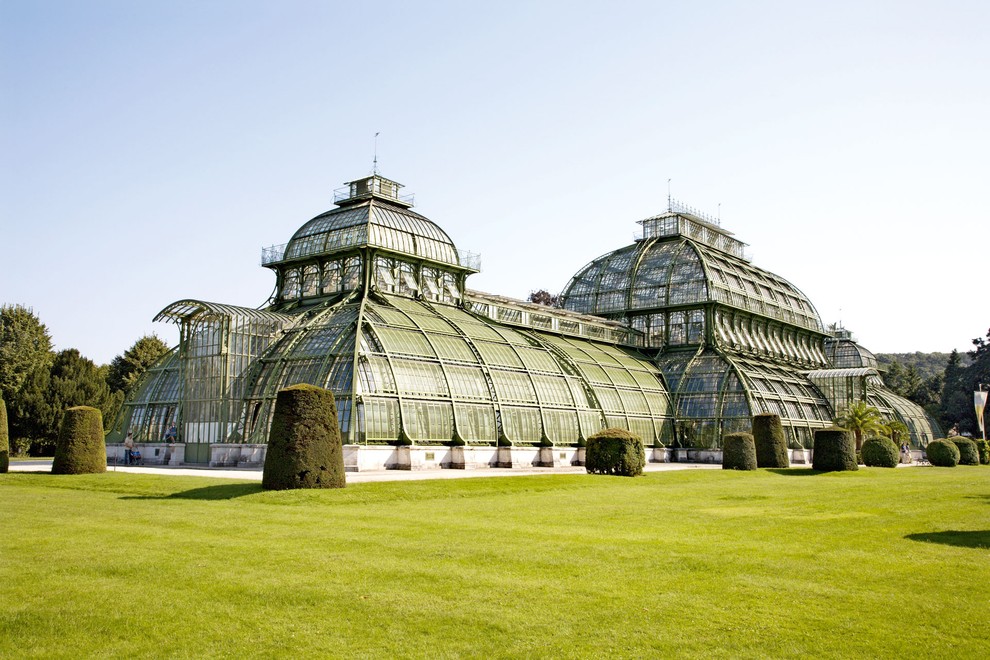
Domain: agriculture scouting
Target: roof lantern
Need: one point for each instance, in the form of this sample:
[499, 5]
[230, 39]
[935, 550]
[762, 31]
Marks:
[682, 220]
[374, 186]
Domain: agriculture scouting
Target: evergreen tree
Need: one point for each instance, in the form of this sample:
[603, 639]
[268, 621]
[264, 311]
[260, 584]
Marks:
[957, 397]
[25, 345]
[929, 395]
[126, 369]
[73, 380]
[978, 372]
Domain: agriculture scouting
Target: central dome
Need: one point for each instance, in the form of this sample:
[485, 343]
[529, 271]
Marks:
[372, 215]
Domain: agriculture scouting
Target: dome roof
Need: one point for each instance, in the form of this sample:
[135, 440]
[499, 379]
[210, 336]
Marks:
[372, 223]
[844, 353]
[656, 273]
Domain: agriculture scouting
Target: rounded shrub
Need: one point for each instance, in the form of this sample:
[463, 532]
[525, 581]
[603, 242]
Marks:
[771, 445]
[80, 448]
[880, 452]
[615, 451]
[4, 439]
[968, 453]
[835, 450]
[942, 453]
[983, 448]
[738, 452]
[304, 446]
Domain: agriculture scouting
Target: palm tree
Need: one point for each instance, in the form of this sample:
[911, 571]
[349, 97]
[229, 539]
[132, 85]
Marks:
[860, 418]
[896, 430]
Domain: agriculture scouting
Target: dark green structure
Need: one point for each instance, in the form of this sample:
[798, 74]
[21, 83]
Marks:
[371, 302]
[732, 340]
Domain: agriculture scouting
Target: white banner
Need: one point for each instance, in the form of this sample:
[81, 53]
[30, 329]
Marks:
[980, 401]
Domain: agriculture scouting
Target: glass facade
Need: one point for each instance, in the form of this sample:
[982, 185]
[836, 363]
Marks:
[676, 337]
[430, 373]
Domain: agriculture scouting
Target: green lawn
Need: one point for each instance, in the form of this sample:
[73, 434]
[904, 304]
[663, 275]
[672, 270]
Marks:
[876, 563]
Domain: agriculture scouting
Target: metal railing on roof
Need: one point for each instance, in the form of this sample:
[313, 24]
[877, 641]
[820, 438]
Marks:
[343, 194]
[470, 260]
[676, 206]
[272, 254]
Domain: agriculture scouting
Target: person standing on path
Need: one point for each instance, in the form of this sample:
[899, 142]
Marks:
[128, 447]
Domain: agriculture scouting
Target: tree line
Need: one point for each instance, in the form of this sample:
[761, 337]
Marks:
[38, 383]
[942, 383]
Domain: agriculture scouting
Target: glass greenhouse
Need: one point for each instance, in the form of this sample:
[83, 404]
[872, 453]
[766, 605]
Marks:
[677, 338]
[731, 339]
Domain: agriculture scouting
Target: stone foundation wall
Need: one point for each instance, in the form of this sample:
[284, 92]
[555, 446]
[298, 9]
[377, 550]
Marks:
[152, 453]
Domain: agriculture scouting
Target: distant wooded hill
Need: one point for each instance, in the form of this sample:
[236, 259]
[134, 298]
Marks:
[926, 364]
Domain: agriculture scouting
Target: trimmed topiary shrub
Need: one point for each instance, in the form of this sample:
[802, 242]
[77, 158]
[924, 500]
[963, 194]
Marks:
[80, 448]
[968, 453]
[738, 452]
[771, 445]
[983, 449]
[304, 447]
[835, 450]
[942, 453]
[615, 451]
[880, 452]
[4, 439]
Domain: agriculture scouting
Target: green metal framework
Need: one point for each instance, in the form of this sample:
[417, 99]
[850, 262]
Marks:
[431, 373]
[676, 337]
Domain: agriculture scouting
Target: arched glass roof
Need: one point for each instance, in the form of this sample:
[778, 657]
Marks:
[716, 394]
[438, 373]
[372, 223]
[659, 273]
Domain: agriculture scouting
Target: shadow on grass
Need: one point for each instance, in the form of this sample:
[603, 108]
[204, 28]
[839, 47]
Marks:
[986, 498]
[220, 492]
[794, 472]
[977, 539]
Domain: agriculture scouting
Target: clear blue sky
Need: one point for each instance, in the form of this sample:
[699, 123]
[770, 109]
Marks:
[149, 149]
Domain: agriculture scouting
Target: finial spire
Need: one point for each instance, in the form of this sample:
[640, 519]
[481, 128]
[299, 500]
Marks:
[374, 169]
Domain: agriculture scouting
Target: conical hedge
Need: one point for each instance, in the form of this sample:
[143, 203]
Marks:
[4, 439]
[304, 447]
[80, 448]
[835, 450]
[771, 445]
[615, 451]
[738, 452]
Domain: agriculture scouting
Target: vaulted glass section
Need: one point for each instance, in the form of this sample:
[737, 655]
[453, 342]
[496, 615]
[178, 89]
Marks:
[677, 337]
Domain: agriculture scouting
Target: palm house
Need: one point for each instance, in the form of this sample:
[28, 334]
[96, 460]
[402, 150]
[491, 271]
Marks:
[678, 338]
